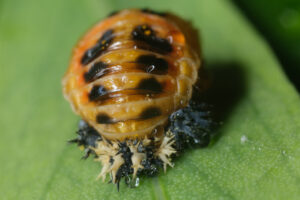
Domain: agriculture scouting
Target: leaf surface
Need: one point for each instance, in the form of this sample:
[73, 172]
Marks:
[256, 153]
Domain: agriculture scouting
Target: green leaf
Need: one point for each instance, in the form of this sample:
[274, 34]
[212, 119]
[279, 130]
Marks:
[255, 156]
[280, 24]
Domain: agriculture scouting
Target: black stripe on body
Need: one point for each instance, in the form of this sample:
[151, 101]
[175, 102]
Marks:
[150, 112]
[145, 34]
[147, 113]
[151, 85]
[95, 51]
[146, 87]
[103, 118]
[153, 64]
[148, 63]
[96, 71]
[97, 92]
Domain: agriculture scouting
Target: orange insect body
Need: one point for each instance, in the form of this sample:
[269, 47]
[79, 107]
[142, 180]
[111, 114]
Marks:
[127, 75]
[130, 72]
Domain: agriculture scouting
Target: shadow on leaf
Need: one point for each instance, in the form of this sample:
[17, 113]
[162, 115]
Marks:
[227, 87]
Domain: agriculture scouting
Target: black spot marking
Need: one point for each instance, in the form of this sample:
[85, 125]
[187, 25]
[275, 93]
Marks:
[97, 92]
[151, 85]
[107, 36]
[149, 11]
[150, 112]
[145, 34]
[97, 70]
[103, 118]
[99, 47]
[154, 64]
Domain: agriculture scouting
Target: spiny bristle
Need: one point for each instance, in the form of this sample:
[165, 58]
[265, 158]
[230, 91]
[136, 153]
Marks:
[165, 150]
[136, 159]
[126, 158]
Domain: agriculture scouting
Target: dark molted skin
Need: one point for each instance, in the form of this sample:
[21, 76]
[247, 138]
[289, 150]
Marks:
[154, 65]
[96, 71]
[102, 44]
[87, 137]
[144, 33]
[151, 85]
[192, 125]
[126, 169]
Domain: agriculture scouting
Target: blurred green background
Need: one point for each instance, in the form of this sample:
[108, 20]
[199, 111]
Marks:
[251, 49]
[279, 22]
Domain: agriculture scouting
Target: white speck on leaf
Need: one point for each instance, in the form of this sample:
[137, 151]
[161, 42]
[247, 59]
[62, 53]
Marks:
[244, 139]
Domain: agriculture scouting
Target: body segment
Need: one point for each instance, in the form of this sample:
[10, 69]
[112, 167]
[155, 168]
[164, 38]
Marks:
[130, 72]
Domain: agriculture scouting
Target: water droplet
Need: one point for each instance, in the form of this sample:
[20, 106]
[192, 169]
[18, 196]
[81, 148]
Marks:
[150, 68]
[137, 182]
[154, 131]
[182, 102]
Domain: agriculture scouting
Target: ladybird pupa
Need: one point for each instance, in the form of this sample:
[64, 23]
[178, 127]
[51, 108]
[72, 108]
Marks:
[131, 80]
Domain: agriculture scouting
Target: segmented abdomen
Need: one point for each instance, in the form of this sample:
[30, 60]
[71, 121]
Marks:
[130, 72]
